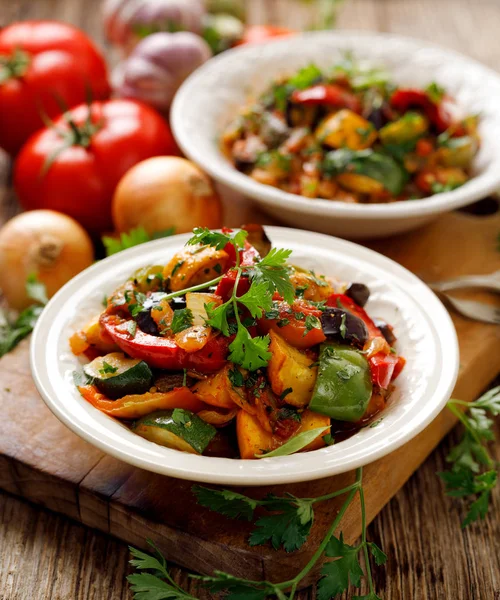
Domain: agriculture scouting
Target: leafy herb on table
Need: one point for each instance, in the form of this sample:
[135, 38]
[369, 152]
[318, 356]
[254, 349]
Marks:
[133, 238]
[287, 523]
[474, 473]
[13, 331]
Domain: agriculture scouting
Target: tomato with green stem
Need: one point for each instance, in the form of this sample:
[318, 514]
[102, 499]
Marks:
[42, 62]
[74, 165]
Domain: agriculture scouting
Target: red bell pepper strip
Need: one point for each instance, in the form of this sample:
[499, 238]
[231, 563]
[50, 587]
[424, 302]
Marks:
[162, 352]
[343, 301]
[330, 95]
[439, 114]
[226, 284]
[382, 369]
[138, 405]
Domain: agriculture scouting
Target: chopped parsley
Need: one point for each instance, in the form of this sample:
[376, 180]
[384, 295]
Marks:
[182, 319]
[107, 369]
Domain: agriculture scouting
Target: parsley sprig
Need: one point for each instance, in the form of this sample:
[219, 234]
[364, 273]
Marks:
[289, 513]
[13, 331]
[474, 473]
[266, 276]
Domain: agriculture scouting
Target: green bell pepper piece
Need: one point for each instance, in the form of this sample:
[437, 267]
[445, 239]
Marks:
[343, 387]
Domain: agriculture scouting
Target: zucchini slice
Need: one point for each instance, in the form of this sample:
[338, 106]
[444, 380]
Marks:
[116, 376]
[178, 429]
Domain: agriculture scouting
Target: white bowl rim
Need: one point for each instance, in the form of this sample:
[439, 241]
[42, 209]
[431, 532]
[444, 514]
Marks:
[484, 184]
[298, 467]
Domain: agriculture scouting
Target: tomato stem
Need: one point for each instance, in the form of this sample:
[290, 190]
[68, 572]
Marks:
[14, 66]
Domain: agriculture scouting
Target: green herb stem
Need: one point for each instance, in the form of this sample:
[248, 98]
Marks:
[194, 288]
[463, 419]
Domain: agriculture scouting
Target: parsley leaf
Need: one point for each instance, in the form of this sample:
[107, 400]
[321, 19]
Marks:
[107, 368]
[226, 502]
[134, 237]
[182, 319]
[306, 77]
[311, 323]
[216, 239]
[273, 271]
[217, 317]
[250, 353]
[257, 299]
[289, 527]
[236, 377]
[36, 290]
[238, 589]
[338, 574]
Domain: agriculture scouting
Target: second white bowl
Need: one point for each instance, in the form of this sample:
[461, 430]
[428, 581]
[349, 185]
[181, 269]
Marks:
[213, 94]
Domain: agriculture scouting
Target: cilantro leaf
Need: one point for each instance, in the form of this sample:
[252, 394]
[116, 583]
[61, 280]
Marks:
[306, 77]
[478, 509]
[289, 527]
[147, 586]
[273, 271]
[107, 368]
[490, 401]
[226, 502]
[337, 574]
[182, 319]
[257, 299]
[36, 290]
[250, 353]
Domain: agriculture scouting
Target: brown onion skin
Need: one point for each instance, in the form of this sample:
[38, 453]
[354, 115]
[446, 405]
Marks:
[49, 244]
[163, 192]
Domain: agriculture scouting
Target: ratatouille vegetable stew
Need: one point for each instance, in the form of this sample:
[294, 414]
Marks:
[230, 350]
[350, 134]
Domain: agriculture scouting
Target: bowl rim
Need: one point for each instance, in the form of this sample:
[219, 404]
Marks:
[96, 429]
[484, 184]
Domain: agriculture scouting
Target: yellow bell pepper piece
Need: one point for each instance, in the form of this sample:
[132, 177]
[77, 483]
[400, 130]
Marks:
[346, 128]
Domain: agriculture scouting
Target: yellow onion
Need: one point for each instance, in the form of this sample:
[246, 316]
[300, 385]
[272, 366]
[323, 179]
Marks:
[49, 244]
[163, 192]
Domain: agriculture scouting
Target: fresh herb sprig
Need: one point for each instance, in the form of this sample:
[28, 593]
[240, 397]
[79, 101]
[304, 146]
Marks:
[134, 237]
[266, 276]
[13, 331]
[155, 582]
[474, 473]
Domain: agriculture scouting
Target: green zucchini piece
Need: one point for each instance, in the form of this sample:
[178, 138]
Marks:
[178, 429]
[378, 166]
[116, 376]
[411, 126]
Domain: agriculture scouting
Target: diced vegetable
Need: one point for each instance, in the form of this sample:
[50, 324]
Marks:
[193, 266]
[252, 438]
[360, 183]
[222, 388]
[117, 376]
[292, 371]
[405, 129]
[346, 129]
[457, 151]
[374, 165]
[193, 339]
[343, 386]
[135, 406]
[311, 420]
[91, 336]
[196, 303]
[327, 95]
[178, 429]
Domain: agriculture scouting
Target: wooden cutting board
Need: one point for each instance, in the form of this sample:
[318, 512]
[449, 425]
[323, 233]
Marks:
[46, 463]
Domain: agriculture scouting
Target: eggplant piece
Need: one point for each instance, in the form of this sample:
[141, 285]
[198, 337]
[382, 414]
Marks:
[246, 152]
[274, 131]
[166, 382]
[257, 237]
[359, 292]
[146, 323]
[386, 330]
[344, 327]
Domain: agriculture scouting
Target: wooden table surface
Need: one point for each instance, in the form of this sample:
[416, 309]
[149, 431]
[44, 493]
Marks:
[47, 557]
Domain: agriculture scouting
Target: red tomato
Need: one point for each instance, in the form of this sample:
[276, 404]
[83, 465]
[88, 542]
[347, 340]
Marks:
[75, 170]
[293, 329]
[42, 62]
[256, 34]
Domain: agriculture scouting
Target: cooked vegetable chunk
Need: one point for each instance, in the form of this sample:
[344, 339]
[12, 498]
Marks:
[178, 429]
[290, 369]
[346, 129]
[116, 376]
[252, 438]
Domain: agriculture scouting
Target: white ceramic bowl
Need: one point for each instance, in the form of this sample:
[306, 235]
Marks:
[426, 337]
[212, 95]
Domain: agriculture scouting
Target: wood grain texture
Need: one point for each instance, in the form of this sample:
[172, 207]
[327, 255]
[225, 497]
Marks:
[46, 557]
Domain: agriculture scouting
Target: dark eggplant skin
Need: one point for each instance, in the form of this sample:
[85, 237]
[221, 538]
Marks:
[359, 292]
[386, 330]
[146, 323]
[344, 327]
